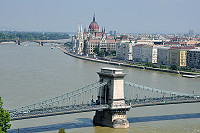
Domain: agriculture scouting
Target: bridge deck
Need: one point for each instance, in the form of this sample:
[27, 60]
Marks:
[36, 114]
[87, 99]
[165, 103]
[79, 109]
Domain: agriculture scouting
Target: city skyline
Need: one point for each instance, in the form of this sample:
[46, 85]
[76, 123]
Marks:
[129, 16]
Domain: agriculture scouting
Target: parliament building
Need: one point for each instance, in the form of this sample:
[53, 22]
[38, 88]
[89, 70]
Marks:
[85, 41]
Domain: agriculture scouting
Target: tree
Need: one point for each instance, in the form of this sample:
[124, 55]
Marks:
[173, 67]
[62, 130]
[101, 53]
[4, 119]
[163, 67]
[96, 50]
[113, 52]
[149, 64]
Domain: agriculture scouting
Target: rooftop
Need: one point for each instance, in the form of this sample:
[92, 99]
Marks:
[182, 48]
[108, 70]
[195, 50]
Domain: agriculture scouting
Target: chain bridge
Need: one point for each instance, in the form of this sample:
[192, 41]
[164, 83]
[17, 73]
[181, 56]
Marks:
[110, 97]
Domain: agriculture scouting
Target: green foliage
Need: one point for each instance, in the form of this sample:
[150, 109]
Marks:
[102, 53]
[149, 64]
[1, 131]
[188, 69]
[163, 67]
[62, 130]
[96, 50]
[113, 52]
[29, 36]
[4, 119]
[173, 67]
[99, 52]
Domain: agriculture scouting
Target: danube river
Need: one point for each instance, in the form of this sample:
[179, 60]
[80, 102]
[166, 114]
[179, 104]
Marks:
[30, 73]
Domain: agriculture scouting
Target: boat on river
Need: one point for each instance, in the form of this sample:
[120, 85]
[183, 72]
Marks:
[190, 76]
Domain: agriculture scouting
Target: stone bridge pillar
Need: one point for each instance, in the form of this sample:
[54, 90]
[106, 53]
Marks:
[113, 95]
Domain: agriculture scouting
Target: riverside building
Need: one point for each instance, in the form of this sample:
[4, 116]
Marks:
[193, 58]
[85, 41]
[124, 50]
[162, 55]
[178, 56]
[144, 53]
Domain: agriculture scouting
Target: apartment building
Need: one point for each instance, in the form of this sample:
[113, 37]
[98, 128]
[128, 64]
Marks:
[178, 55]
[124, 50]
[162, 55]
[193, 58]
[145, 53]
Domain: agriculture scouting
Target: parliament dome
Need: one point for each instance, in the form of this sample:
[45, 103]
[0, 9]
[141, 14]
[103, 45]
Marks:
[94, 26]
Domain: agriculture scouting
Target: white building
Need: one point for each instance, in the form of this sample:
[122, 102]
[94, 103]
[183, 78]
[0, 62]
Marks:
[149, 54]
[78, 41]
[145, 53]
[137, 53]
[162, 55]
[149, 42]
[124, 50]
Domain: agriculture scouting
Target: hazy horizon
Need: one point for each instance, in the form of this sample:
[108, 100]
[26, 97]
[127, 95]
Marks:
[128, 16]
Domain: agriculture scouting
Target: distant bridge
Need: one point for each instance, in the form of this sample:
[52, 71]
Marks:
[41, 42]
[110, 94]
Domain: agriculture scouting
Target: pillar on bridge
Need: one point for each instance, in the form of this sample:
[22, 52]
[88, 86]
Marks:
[113, 95]
[41, 43]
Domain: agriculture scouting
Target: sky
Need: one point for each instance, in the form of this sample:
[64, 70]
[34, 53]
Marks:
[123, 16]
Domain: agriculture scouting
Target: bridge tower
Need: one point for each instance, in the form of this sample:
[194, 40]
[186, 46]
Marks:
[113, 95]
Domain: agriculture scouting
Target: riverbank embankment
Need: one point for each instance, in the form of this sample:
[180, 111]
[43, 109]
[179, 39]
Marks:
[122, 63]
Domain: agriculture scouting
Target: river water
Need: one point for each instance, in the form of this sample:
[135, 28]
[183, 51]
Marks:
[32, 73]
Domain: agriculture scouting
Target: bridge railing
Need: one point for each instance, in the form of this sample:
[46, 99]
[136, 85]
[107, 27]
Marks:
[88, 99]
[139, 94]
[84, 98]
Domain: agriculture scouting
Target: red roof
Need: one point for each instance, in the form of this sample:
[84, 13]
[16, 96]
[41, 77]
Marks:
[99, 34]
[172, 42]
[182, 48]
[110, 41]
[94, 26]
[110, 37]
[94, 40]
[140, 45]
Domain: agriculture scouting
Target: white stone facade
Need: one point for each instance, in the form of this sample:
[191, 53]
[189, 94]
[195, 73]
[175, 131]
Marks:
[137, 53]
[145, 53]
[124, 50]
